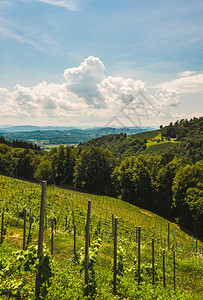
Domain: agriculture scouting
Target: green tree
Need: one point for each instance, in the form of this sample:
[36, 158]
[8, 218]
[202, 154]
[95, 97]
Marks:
[187, 195]
[93, 170]
[57, 166]
[163, 196]
[24, 162]
[133, 181]
[44, 170]
[63, 160]
[194, 199]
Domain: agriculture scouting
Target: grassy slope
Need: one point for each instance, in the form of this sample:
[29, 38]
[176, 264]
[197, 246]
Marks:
[16, 195]
[153, 146]
[147, 135]
[159, 147]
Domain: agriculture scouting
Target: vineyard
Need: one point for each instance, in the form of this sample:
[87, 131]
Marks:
[154, 258]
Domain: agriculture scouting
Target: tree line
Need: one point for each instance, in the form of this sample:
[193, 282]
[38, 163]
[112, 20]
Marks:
[168, 183]
[19, 144]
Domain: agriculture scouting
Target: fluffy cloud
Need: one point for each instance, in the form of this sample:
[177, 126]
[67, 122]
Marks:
[120, 89]
[188, 83]
[86, 93]
[83, 81]
[42, 100]
[166, 98]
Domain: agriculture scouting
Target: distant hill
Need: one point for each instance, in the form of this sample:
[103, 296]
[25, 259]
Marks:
[45, 136]
[25, 128]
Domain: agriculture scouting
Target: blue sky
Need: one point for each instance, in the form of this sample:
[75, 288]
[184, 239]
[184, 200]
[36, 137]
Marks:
[84, 62]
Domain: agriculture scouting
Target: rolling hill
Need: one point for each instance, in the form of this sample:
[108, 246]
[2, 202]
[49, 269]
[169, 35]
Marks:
[62, 135]
[65, 279]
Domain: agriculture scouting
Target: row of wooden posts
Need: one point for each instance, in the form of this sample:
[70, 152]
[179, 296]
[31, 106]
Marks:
[87, 245]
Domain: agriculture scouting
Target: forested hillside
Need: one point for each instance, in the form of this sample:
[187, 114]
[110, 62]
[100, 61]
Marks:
[168, 181]
[120, 145]
[190, 135]
[19, 144]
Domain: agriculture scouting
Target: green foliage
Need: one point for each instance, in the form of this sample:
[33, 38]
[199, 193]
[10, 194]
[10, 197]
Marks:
[121, 258]
[68, 280]
[93, 170]
[19, 144]
[57, 166]
[163, 194]
[24, 265]
[92, 259]
[187, 196]
[190, 135]
[18, 162]
[134, 181]
[120, 145]
[183, 128]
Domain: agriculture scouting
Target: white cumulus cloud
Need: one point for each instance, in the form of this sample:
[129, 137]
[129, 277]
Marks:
[166, 97]
[84, 79]
[86, 93]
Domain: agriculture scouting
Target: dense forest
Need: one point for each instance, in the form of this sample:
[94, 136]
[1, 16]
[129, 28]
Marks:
[120, 145]
[19, 144]
[168, 182]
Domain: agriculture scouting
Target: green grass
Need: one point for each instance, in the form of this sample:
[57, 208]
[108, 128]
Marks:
[148, 135]
[162, 146]
[154, 146]
[68, 281]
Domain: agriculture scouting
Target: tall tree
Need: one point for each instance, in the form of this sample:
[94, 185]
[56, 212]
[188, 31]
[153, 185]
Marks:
[93, 170]
[187, 195]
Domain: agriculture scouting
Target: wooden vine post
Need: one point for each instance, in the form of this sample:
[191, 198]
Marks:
[74, 240]
[164, 279]
[74, 234]
[24, 229]
[29, 231]
[168, 235]
[113, 224]
[40, 240]
[139, 244]
[153, 261]
[87, 242]
[136, 234]
[115, 255]
[52, 236]
[73, 215]
[174, 271]
[196, 244]
[2, 227]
